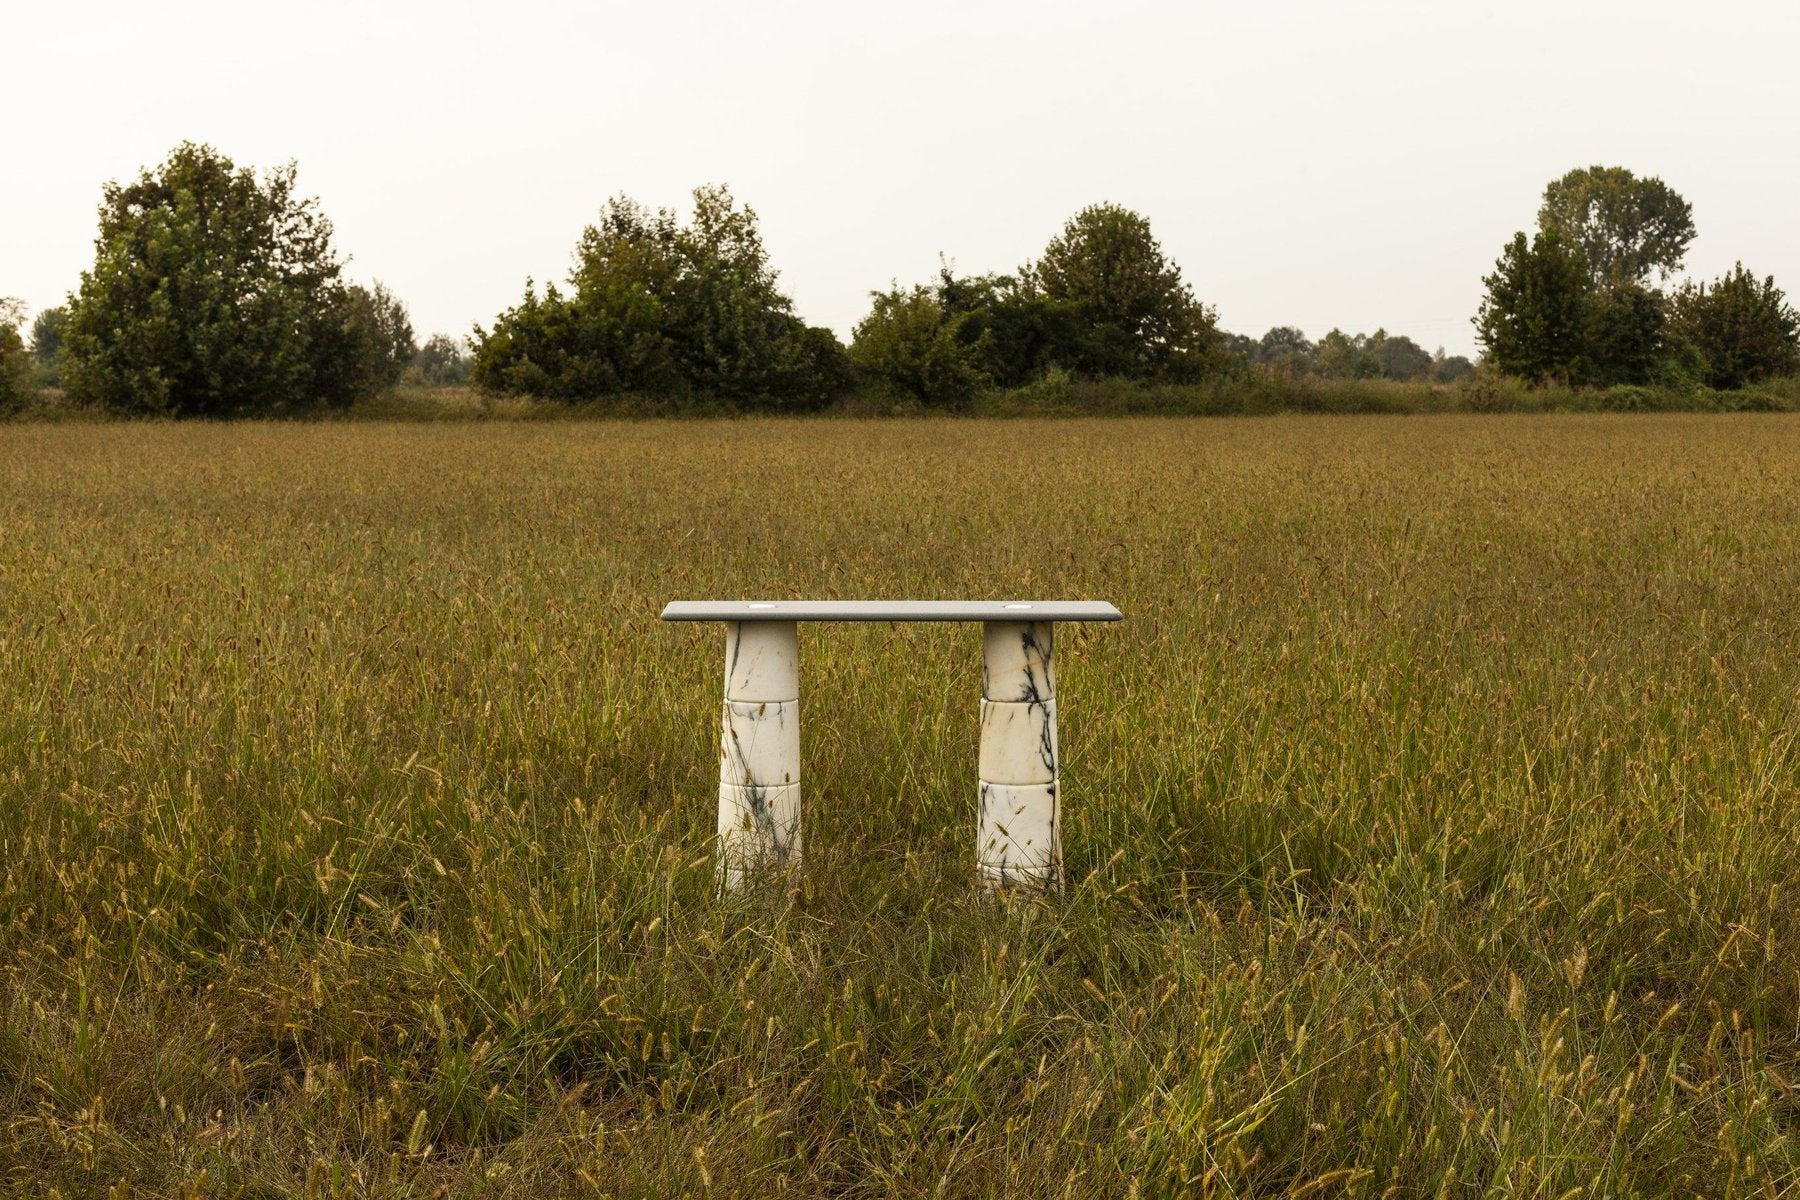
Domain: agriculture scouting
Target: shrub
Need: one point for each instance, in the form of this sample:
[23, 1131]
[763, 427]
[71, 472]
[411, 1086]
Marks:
[553, 348]
[1680, 367]
[1632, 398]
[811, 368]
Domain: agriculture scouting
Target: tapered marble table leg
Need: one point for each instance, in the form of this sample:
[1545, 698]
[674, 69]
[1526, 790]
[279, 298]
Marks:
[759, 750]
[1019, 836]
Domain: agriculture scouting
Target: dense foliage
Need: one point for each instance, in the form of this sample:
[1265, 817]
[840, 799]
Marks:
[381, 335]
[1134, 315]
[1573, 305]
[1628, 228]
[1103, 301]
[913, 341]
[443, 361]
[215, 293]
[1287, 352]
[1744, 330]
[15, 360]
[1625, 338]
[664, 309]
[1534, 320]
[47, 344]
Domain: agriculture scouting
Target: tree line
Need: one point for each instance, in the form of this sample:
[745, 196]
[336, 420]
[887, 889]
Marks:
[216, 291]
[1577, 302]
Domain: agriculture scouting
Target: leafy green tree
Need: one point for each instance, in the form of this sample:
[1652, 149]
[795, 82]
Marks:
[365, 345]
[391, 332]
[384, 327]
[47, 335]
[1745, 330]
[15, 360]
[1451, 369]
[212, 293]
[728, 320]
[1137, 317]
[1240, 348]
[1017, 334]
[1625, 337]
[621, 330]
[1283, 340]
[1398, 357]
[1341, 356]
[545, 346]
[443, 361]
[1287, 351]
[47, 344]
[664, 309]
[912, 343]
[1626, 227]
[811, 369]
[1534, 320]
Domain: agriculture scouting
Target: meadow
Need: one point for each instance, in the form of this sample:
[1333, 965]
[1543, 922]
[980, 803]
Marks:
[1429, 820]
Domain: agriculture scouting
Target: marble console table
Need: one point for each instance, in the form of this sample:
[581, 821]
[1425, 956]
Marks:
[1018, 834]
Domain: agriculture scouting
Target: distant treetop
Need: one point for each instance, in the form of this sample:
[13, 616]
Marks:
[1626, 227]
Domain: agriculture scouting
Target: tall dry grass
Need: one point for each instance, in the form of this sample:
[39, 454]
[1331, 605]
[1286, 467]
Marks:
[1430, 820]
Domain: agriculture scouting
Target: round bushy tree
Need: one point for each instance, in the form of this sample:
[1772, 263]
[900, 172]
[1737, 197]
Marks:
[664, 309]
[1286, 351]
[1399, 357]
[215, 293]
[1347, 356]
[1745, 329]
[1136, 315]
[910, 343]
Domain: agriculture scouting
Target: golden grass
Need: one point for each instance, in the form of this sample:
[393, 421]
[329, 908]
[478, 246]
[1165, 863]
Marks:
[1430, 819]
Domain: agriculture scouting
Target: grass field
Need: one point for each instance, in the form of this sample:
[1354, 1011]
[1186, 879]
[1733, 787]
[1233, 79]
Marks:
[1430, 820]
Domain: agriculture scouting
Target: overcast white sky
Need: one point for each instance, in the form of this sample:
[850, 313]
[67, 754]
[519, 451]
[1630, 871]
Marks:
[1316, 163]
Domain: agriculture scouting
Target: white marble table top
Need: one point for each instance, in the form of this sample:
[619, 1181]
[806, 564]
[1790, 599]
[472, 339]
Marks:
[890, 610]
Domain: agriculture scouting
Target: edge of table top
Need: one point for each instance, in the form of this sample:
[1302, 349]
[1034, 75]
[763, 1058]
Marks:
[890, 610]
